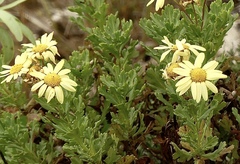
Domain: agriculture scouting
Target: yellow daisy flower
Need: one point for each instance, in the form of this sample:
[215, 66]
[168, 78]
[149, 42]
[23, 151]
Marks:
[159, 4]
[168, 71]
[52, 80]
[21, 65]
[45, 48]
[198, 77]
[180, 49]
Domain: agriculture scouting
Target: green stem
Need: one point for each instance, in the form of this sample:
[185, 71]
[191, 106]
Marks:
[203, 13]
[30, 105]
[195, 14]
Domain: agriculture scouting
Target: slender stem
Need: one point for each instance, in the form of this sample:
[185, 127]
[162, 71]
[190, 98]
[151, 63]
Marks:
[195, 14]
[3, 158]
[184, 11]
[203, 9]
[30, 105]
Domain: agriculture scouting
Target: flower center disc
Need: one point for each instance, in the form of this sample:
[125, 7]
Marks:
[169, 70]
[185, 46]
[198, 75]
[174, 47]
[52, 79]
[16, 68]
[39, 48]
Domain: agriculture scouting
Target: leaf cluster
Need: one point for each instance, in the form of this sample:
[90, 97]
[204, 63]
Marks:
[15, 27]
[123, 110]
[196, 132]
[17, 140]
[196, 23]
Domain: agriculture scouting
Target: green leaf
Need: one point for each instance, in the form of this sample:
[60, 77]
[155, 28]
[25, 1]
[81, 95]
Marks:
[27, 32]
[12, 23]
[7, 46]
[235, 113]
[181, 155]
[216, 154]
[167, 24]
[11, 5]
[217, 103]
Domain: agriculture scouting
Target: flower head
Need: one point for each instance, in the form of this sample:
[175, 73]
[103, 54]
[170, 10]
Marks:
[20, 67]
[184, 3]
[198, 77]
[45, 48]
[168, 71]
[52, 80]
[180, 49]
[159, 4]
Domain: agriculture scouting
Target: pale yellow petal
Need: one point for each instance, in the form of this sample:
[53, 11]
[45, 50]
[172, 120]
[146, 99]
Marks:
[27, 63]
[183, 41]
[199, 60]
[150, 2]
[159, 4]
[15, 76]
[50, 93]
[67, 87]
[69, 81]
[183, 53]
[167, 42]
[28, 45]
[8, 79]
[37, 85]
[183, 81]
[188, 64]
[181, 71]
[50, 67]
[18, 60]
[184, 88]
[210, 65]
[179, 45]
[198, 92]
[44, 38]
[49, 38]
[59, 94]
[59, 66]
[204, 91]
[211, 86]
[198, 47]
[49, 55]
[52, 44]
[37, 42]
[42, 90]
[64, 72]
[24, 70]
[38, 75]
[54, 50]
[215, 75]
[195, 52]
[164, 55]
[46, 70]
[185, 66]
[175, 57]
[5, 72]
[194, 90]
[161, 48]
[6, 66]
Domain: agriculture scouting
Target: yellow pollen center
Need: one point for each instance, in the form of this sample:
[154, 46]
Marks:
[198, 75]
[16, 68]
[185, 46]
[169, 70]
[52, 79]
[174, 47]
[40, 48]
